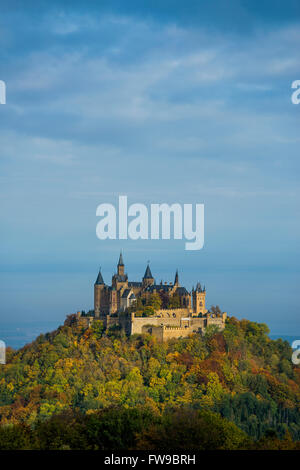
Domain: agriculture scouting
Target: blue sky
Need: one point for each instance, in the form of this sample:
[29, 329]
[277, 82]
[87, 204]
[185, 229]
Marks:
[164, 103]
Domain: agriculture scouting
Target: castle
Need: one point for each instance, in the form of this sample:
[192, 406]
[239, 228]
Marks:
[163, 310]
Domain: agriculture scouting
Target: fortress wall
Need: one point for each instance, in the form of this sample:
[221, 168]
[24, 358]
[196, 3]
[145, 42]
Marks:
[169, 313]
[169, 321]
[179, 332]
[169, 333]
[164, 333]
[197, 323]
[138, 323]
[163, 328]
[157, 332]
[215, 321]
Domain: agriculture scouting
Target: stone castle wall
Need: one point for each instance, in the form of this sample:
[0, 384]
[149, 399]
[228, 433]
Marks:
[166, 328]
[173, 313]
[166, 324]
[171, 317]
[169, 333]
[166, 332]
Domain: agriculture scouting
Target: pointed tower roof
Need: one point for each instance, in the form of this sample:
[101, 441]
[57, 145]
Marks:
[99, 279]
[198, 287]
[176, 278]
[148, 274]
[121, 262]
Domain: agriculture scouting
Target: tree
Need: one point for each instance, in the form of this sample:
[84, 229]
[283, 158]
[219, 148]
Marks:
[15, 437]
[165, 298]
[174, 301]
[215, 310]
[155, 301]
[193, 430]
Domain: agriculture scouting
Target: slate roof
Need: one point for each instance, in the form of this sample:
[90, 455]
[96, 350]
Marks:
[99, 279]
[159, 287]
[120, 277]
[148, 274]
[181, 291]
[126, 293]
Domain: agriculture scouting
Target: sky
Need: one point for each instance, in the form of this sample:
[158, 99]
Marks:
[167, 101]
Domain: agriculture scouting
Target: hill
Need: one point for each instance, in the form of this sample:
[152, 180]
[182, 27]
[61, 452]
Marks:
[83, 388]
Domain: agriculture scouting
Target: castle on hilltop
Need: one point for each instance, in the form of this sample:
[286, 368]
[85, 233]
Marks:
[165, 310]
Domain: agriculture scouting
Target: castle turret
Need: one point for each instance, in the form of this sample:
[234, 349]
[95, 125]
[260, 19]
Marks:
[121, 266]
[99, 280]
[113, 301]
[148, 279]
[199, 299]
[98, 289]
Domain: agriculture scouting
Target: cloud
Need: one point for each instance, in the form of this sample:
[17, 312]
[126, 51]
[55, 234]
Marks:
[154, 93]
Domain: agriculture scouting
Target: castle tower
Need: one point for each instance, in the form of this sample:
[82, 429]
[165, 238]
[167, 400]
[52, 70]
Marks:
[198, 295]
[148, 279]
[121, 266]
[98, 291]
[120, 279]
[113, 301]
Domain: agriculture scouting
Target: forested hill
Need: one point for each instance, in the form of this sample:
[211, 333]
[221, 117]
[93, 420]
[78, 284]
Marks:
[83, 388]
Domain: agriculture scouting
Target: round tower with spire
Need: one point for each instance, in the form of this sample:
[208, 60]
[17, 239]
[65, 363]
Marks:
[121, 266]
[98, 290]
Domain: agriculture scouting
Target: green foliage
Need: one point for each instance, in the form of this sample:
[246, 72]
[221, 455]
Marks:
[146, 307]
[15, 437]
[155, 301]
[194, 430]
[174, 302]
[86, 388]
[97, 328]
